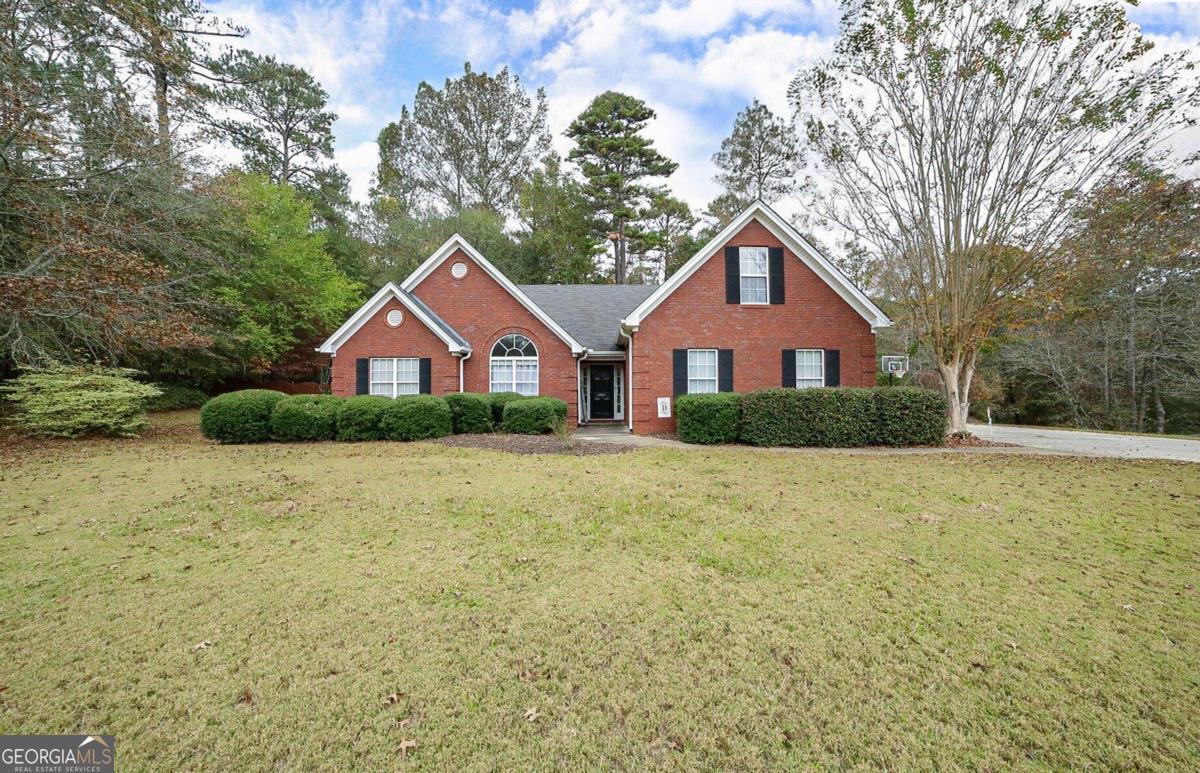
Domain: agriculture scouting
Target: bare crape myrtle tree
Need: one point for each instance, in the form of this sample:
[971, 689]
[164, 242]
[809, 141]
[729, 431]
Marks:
[958, 137]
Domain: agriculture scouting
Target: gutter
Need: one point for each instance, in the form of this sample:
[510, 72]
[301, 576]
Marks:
[579, 388]
[461, 360]
[628, 336]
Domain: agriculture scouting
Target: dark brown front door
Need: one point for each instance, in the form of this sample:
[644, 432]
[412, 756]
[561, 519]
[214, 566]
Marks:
[602, 391]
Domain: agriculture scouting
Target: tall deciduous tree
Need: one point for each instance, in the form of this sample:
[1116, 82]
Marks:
[616, 159]
[469, 144]
[759, 160]
[957, 134]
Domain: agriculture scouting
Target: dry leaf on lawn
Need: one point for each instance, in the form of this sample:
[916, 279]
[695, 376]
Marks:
[531, 714]
[202, 646]
[393, 699]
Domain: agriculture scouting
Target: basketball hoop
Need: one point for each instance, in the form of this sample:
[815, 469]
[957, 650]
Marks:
[895, 365]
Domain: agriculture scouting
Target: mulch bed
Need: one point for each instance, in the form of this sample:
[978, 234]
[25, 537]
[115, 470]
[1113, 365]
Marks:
[974, 441]
[532, 444]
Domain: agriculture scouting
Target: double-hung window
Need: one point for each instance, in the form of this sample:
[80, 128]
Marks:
[753, 271]
[810, 368]
[514, 366]
[395, 376]
[702, 371]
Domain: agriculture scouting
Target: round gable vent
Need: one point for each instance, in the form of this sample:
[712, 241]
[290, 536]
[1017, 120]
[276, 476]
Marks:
[458, 270]
[395, 317]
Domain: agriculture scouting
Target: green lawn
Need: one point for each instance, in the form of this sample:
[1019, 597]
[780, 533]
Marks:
[662, 608]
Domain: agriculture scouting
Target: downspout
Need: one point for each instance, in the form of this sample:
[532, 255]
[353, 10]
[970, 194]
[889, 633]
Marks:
[628, 374]
[461, 360]
[579, 388]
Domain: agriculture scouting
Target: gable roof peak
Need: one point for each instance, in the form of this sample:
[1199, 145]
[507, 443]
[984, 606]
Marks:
[793, 239]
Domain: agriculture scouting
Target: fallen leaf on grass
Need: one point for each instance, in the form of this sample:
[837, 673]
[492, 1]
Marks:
[531, 714]
[980, 665]
[406, 746]
[202, 646]
[393, 699]
[246, 698]
[1127, 607]
[403, 723]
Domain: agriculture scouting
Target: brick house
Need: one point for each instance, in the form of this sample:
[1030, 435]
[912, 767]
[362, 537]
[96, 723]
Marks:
[757, 307]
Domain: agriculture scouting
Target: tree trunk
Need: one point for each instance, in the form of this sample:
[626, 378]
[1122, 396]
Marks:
[159, 67]
[1160, 414]
[956, 385]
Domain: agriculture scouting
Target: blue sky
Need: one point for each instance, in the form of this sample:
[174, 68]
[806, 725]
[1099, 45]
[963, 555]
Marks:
[696, 62]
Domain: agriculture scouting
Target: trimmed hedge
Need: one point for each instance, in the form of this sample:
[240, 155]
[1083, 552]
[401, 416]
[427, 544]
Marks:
[533, 415]
[843, 417]
[417, 417]
[709, 418]
[305, 417]
[240, 417]
[358, 418]
[908, 416]
[177, 397]
[470, 412]
[498, 400]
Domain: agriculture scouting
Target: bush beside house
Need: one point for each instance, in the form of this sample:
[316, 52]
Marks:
[498, 400]
[840, 417]
[470, 412]
[533, 415]
[305, 417]
[361, 417]
[417, 417]
[177, 397]
[240, 417]
[710, 418]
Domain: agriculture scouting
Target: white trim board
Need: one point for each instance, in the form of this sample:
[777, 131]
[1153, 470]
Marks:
[793, 240]
[457, 242]
[372, 307]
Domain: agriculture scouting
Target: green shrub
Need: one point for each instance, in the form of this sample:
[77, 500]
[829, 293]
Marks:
[240, 417]
[910, 417]
[359, 418]
[417, 417]
[533, 415]
[177, 397]
[305, 417]
[471, 413]
[498, 400]
[837, 417]
[709, 418]
[62, 401]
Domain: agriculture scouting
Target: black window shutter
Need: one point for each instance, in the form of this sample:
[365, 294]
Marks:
[679, 361]
[833, 367]
[733, 276]
[362, 372]
[725, 370]
[775, 274]
[425, 384]
[789, 367]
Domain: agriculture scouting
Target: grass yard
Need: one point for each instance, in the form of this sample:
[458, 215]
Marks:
[329, 606]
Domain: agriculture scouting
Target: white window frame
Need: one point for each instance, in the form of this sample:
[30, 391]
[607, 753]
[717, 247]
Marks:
[715, 378]
[809, 379]
[743, 275]
[511, 383]
[396, 387]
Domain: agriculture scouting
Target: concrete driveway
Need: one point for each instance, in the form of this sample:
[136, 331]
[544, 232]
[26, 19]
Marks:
[1092, 443]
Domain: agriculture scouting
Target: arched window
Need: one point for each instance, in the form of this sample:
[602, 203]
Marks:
[515, 365]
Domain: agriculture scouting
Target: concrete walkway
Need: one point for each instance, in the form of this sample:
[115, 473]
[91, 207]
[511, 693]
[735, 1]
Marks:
[1092, 443]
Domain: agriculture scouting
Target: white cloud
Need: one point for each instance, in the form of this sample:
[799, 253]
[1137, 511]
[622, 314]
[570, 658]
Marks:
[358, 162]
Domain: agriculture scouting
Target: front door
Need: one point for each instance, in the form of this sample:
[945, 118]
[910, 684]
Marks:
[602, 391]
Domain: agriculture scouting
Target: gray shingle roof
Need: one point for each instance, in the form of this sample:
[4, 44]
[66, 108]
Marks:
[438, 320]
[590, 313]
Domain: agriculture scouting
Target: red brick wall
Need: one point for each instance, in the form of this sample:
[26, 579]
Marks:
[482, 311]
[696, 316]
[412, 339]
